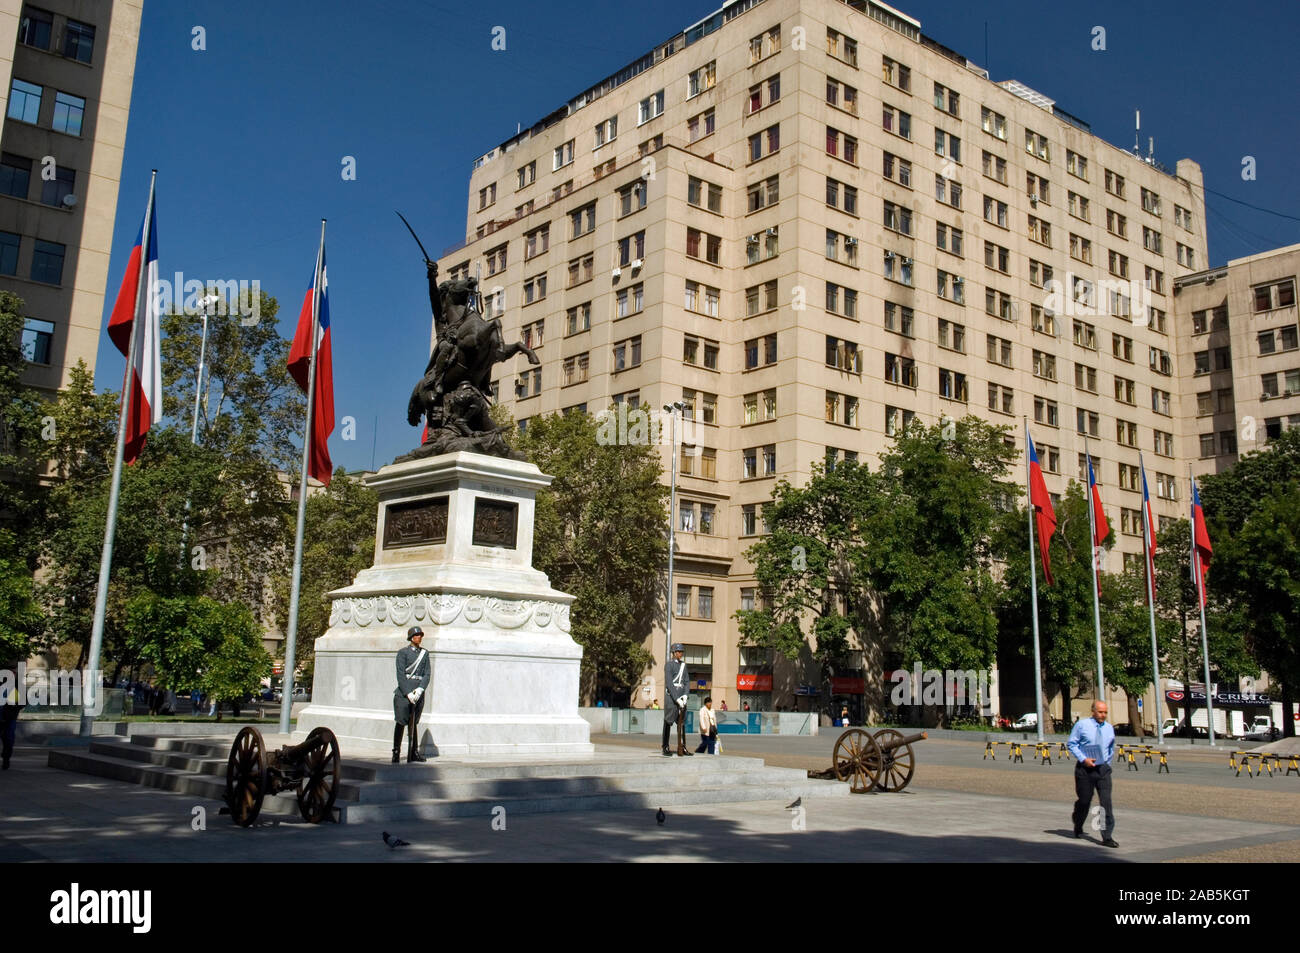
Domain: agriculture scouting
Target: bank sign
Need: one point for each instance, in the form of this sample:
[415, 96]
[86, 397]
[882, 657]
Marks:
[1241, 699]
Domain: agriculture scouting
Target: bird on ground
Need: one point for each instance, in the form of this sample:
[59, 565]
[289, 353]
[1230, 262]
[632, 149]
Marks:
[660, 816]
[795, 803]
[394, 842]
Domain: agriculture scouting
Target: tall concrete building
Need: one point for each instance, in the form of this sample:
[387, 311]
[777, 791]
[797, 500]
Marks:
[810, 223]
[67, 89]
[1239, 345]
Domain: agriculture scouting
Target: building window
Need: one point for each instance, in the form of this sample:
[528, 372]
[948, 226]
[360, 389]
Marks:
[1125, 390]
[37, 341]
[764, 192]
[581, 269]
[1160, 401]
[606, 131]
[952, 336]
[629, 301]
[842, 355]
[9, 245]
[757, 99]
[1046, 412]
[1087, 422]
[841, 96]
[1182, 218]
[897, 169]
[631, 249]
[703, 194]
[995, 124]
[583, 220]
[896, 121]
[898, 268]
[578, 319]
[1121, 347]
[487, 196]
[951, 287]
[576, 369]
[995, 167]
[702, 245]
[563, 156]
[15, 175]
[952, 385]
[839, 145]
[948, 238]
[945, 99]
[35, 27]
[527, 174]
[627, 353]
[529, 384]
[841, 409]
[702, 79]
[897, 420]
[1042, 321]
[1001, 399]
[1044, 365]
[1076, 165]
[700, 125]
[898, 218]
[24, 101]
[534, 289]
[998, 350]
[842, 196]
[1279, 294]
[947, 145]
[47, 262]
[1040, 231]
[78, 41]
[764, 45]
[537, 241]
[900, 370]
[1037, 145]
[760, 298]
[842, 301]
[650, 107]
[994, 211]
[842, 47]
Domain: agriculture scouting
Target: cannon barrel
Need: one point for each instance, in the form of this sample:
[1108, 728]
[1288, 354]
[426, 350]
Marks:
[900, 742]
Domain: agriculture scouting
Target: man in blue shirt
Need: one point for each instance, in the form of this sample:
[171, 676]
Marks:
[1092, 742]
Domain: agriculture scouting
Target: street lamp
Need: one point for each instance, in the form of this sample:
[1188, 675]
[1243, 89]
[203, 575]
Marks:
[672, 409]
[207, 304]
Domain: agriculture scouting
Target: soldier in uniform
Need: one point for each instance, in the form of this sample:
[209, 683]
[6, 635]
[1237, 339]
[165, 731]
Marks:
[408, 698]
[677, 682]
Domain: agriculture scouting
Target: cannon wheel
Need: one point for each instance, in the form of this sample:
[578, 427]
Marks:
[857, 760]
[320, 776]
[899, 762]
[246, 776]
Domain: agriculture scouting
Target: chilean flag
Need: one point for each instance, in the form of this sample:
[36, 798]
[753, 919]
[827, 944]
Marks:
[1148, 528]
[1041, 501]
[1100, 527]
[144, 378]
[1201, 549]
[322, 424]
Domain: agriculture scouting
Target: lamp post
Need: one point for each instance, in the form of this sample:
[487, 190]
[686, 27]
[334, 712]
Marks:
[672, 409]
[207, 305]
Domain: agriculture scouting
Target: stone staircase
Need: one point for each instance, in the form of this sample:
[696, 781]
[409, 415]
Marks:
[373, 790]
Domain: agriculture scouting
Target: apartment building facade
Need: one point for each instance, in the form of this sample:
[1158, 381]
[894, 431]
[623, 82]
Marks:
[1239, 339]
[67, 89]
[810, 223]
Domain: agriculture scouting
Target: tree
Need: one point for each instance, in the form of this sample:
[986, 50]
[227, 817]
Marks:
[599, 535]
[197, 642]
[23, 428]
[338, 542]
[900, 557]
[1253, 512]
[21, 621]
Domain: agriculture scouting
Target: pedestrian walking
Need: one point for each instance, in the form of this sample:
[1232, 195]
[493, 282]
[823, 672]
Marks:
[1092, 742]
[844, 716]
[723, 705]
[413, 673]
[708, 728]
[10, 705]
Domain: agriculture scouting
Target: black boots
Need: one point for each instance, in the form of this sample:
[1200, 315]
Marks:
[413, 752]
[667, 752]
[397, 743]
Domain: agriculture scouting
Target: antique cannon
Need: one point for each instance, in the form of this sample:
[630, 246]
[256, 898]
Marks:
[311, 767]
[883, 761]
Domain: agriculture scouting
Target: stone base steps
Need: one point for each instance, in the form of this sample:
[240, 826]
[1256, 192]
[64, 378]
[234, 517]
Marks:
[371, 790]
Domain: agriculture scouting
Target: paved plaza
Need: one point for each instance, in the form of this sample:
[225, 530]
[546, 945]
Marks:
[958, 808]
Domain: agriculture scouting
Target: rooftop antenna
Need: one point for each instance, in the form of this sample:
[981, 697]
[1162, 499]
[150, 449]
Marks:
[1151, 149]
[1137, 133]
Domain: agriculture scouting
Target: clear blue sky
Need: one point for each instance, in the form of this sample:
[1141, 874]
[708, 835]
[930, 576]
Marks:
[248, 137]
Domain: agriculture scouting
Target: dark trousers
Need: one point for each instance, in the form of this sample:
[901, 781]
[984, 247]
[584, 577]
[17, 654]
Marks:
[1087, 780]
[707, 743]
[8, 728]
[408, 718]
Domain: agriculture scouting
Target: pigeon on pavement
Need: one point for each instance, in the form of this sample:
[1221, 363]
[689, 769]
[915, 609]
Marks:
[795, 803]
[660, 816]
[394, 842]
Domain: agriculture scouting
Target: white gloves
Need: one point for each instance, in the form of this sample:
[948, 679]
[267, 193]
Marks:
[681, 702]
[415, 696]
[418, 692]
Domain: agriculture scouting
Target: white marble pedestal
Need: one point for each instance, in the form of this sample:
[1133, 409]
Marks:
[453, 554]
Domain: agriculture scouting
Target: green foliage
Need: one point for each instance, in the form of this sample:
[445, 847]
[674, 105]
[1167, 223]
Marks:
[338, 542]
[197, 642]
[1253, 516]
[21, 621]
[900, 556]
[600, 536]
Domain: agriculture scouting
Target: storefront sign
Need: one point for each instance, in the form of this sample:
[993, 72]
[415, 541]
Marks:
[848, 686]
[754, 683]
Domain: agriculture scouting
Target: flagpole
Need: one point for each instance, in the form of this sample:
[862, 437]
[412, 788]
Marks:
[291, 635]
[194, 428]
[1150, 561]
[1094, 545]
[91, 682]
[1200, 599]
[1033, 591]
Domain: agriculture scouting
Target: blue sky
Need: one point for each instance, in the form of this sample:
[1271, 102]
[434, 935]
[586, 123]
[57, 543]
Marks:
[249, 136]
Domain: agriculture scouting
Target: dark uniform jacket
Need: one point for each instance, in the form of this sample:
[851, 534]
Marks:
[677, 683]
[413, 671]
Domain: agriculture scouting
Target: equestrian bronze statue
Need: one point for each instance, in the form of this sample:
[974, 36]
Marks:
[455, 394]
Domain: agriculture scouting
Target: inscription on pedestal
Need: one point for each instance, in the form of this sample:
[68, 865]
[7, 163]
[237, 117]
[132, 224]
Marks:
[418, 523]
[495, 523]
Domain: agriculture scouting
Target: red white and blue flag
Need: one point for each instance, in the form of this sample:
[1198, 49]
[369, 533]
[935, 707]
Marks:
[300, 355]
[1148, 527]
[1201, 549]
[1100, 526]
[1044, 515]
[142, 384]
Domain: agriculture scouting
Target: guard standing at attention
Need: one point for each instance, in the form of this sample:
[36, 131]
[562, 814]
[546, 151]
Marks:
[413, 673]
[677, 683]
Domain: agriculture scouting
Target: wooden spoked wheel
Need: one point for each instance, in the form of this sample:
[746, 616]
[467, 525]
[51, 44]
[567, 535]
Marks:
[246, 777]
[898, 762]
[320, 776]
[857, 760]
